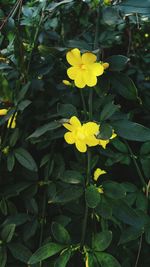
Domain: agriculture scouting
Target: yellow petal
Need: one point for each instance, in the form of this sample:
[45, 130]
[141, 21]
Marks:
[79, 80]
[68, 126]
[100, 190]
[72, 72]
[105, 65]
[97, 69]
[3, 112]
[74, 121]
[81, 146]
[103, 143]
[88, 58]
[91, 141]
[98, 172]
[113, 135]
[91, 128]
[69, 138]
[90, 79]
[74, 57]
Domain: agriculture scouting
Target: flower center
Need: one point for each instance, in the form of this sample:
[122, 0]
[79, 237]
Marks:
[80, 135]
[83, 67]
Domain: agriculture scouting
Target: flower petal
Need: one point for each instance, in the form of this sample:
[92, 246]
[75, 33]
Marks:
[79, 80]
[97, 69]
[74, 57]
[72, 72]
[81, 146]
[103, 143]
[97, 173]
[75, 121]
[91, 141]
[69, 138]
[88, 58]
[68, 126]
[90, 79]
[91, 128]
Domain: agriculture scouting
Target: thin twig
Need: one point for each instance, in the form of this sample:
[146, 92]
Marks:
[11, 14]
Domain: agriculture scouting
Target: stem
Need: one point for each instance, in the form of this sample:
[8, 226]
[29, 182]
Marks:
[90, 104]
[83, 103]
[139, 251]
[86, 206]
[35, 37]
[136, 165]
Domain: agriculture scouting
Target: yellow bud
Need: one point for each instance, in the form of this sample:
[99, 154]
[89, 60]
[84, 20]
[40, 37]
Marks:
[146, 35]
[66, 82]
[107, 2]
[105, 65]
[3, 112]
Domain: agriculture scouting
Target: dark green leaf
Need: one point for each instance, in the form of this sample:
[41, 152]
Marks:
[3, 256]
[8, 232]
[60, 233]
[45, 128]
[101, 241]
[108, 110]
[92, 196]
[131, 130]
[107, 260]
[25, 159]
[20, 252]
[114, 190]
[63, 258]
[66, 110]
[117, 62]
[72, 177]
[45, 252]
[129, 234]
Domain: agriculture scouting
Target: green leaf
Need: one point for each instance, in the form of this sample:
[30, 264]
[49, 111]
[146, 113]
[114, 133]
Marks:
[24, 104]
[141, 201]
[105, 131]
[129, 234]
[8, 232]
[120, 146]
[25, 159]
[147, 234]
[108, 110]
[68, 194]
[91, 260]
[145, 149]
[110, 16]
[20, 252]
[45, 128]
[92, 196]
[117, 62]
[101, 241]
[63, 258]
[10, 161]
[124, 86]
[16, 219]
[135, 6]
[145, 162]
[114, 190]
[44, 252]
[66, 110]
[72, 177]
[107, 260]
[131, 130]
[3, 256]
[60, 233]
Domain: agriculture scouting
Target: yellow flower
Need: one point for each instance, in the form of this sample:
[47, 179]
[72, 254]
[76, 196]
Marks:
[66, 82]
[11, 123]
[103, 143]
[81, 135]
[98, 172]
[107, 2]
[84, 68]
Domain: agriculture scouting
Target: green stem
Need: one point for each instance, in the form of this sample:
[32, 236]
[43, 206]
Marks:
[90, 104]
[86, 206]
[83, 103]
[136, 165]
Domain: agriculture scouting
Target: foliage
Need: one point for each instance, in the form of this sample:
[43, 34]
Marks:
[55, 209]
